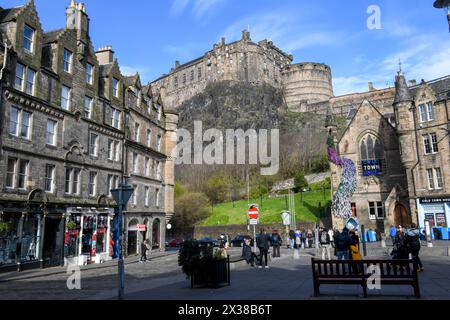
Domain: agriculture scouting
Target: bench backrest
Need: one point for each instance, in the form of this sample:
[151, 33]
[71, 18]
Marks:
[352, 268]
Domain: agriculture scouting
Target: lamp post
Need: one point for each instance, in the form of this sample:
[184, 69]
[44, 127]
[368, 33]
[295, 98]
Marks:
[121, 196]
[444, 4]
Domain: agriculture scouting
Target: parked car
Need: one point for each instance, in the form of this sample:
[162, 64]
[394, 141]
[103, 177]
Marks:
[238, 241]
[176, 243]
[210, 241]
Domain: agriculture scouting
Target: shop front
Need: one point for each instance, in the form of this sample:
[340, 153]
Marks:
[437, 212]
[88, 236]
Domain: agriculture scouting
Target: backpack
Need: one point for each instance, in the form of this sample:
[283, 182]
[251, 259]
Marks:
[413, 242]
[323, 237]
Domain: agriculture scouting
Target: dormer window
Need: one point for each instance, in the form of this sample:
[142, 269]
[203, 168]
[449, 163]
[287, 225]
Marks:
[115, 85]
[139, 97]
[149, 105]
[67, 61]
[28, 38]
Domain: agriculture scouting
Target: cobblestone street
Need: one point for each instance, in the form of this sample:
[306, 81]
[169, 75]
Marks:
[162, 279]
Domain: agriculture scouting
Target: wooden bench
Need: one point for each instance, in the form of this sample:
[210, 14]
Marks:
[392, 272]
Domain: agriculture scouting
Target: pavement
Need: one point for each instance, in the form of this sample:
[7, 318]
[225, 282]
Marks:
[288, 278]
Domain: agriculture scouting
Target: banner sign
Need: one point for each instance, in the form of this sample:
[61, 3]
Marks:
[371, 167]
[433, 200]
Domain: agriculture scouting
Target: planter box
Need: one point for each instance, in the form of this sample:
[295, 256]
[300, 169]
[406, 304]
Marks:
[213, 274]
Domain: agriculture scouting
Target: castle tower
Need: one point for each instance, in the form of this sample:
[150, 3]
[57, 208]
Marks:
[405, 114]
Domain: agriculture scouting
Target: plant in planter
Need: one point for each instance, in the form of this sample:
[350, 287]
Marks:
[71, 225]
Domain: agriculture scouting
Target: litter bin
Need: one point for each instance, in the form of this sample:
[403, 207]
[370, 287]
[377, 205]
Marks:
[445, 233]
[372, 236]
[363, 239]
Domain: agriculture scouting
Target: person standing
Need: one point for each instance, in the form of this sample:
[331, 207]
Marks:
[310, 237]
[303, 238]
[412, 240]
[354, 253]
[325, 244]
[276, 243]
[342, 244]
[263, 245]
[298, 241]
[291, 239]
[247, 253]
[400, 248]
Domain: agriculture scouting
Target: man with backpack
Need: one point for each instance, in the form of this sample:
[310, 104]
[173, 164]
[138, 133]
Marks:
[325, 243]
[412, 241]
[263, 244]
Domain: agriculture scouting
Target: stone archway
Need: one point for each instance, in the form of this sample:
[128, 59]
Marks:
[132, 237]
[401, 216]
[156, 233]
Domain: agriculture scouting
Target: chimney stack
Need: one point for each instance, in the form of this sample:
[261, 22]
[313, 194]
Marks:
[246, 35]
[177, 64]
[105, 55]
[412, 82]
[371, 87]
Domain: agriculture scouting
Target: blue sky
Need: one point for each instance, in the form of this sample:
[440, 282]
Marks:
[149, 35]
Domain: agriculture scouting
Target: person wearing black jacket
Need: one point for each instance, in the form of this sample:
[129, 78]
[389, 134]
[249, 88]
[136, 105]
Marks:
[247, 253]
[263, 244]
[276, 243]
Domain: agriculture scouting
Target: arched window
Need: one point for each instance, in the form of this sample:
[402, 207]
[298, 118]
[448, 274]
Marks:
[363, 150]
[370, 148]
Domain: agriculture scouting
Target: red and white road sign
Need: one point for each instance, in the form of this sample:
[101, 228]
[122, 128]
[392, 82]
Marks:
[253, 212]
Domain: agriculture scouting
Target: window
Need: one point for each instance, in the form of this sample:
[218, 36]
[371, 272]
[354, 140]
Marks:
[159, 143]
[87, 107]
[430, 179]
[93, 145]
[147, 166]
[175, 82]
[115, 85]
[184, 79]
[23, 172]
[113, 150]
[158, 170]
[149, 105]
[139, 98]
[353, 207]
[430, 143]
[147, 196]
[19, 123]
[149, 138]
[89, 73]
[72, 181]
[116, 182]
[157, 196]
[376, 210]
[65, 97]
[430, 111]
[20, 76]
[136, 132]
[110, 184]
[135, 162]
[92, 184]
[67, 61]
[49, 178]
[31, 75]
[134, 196]
[439, 180]
[159, 111]
[11, 173]
[28, 38]
[426, 112]
[199, 72]
[50, 135]
[114, 118]
[192, 75]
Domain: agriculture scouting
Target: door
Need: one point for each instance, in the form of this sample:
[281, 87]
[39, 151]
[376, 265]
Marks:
[401, 215]
[132, 242]
[53, 242]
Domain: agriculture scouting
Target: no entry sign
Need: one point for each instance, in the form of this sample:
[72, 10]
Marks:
[253, 212]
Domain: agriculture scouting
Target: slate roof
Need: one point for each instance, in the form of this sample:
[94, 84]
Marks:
[7, 15]
[52, 35]
[440, 86]
[105, 70]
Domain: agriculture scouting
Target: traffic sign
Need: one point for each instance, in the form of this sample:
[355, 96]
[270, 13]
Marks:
[286, 216]
[253, 222]
[253, 212]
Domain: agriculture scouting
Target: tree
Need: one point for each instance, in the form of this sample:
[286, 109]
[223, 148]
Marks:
[180, 189]
[190, 208]
[320, 164]
[216, 190]
[300, 182]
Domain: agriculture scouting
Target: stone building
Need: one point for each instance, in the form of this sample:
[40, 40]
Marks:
[68, 117]
[402, 160]
[247, 61]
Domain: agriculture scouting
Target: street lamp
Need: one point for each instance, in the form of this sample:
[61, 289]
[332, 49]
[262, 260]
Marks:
[444, 4]
[121, 196]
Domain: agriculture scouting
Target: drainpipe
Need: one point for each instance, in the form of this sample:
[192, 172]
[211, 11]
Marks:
[5, 60]
[418, 158]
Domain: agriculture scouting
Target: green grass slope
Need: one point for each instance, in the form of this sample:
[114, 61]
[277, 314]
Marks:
[306, 206]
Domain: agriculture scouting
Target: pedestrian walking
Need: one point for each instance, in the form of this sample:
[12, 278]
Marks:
[335, 235]
[143, 251]
[400, 250]
[303, 238]
[412, 239]
[325, 244]
[291, 239]
[354, 252]
[310, 237]
[276, 244]
[392, 233]
[298, 241]
[263, 244]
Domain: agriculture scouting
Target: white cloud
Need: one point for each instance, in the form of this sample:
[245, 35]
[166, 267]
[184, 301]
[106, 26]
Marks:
[144, 72]
[199, 8]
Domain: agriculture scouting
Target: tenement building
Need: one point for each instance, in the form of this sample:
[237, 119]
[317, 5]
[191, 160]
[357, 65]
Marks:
[402, 161]
[73, 128]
